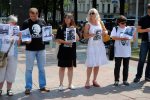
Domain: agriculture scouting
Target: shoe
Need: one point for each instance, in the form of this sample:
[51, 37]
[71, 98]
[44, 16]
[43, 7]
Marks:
[71, 87]
[147, 79]
[125, 83]
[10, 93]
[61, 88]
[95, 84]
[136, 80]
[27, 92]
[44, 89]
[1, 91]
[116, 83]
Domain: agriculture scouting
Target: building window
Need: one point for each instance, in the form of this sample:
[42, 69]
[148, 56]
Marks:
[108, 9]
[115, 9]
[103, 8]
[83, 7]
[88, 7]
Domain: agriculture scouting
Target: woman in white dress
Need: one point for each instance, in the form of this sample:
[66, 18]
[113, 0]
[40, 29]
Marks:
[96, 52]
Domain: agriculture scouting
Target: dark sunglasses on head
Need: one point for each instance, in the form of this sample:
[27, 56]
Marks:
[92, 13]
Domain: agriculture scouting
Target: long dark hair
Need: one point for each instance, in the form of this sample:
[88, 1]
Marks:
[69, 15]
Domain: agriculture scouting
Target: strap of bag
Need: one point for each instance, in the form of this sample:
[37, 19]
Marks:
[10, 47]
[103, 26]
[116, 28]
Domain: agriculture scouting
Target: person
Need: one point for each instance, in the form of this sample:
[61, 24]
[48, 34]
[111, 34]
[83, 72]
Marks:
[8, 73]
[35, 49]
[122, 50]
[67, 51]
[144, 29]
[96, 52]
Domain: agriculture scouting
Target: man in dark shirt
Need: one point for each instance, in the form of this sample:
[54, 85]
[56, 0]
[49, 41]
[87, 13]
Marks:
[35, 49]
[144, 29]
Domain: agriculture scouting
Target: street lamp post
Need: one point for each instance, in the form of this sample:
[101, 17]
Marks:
[135, 45]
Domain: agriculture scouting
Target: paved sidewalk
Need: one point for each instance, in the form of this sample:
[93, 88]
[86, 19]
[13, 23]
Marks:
[140, 91]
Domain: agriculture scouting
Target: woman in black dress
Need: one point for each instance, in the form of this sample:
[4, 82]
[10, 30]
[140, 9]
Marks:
[67, 50]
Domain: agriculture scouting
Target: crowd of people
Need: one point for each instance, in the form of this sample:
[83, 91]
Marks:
[93, 31]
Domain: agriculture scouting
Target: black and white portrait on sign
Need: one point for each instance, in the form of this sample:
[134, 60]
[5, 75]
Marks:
[97, 35]
[36, 29]
[128, 33]
[25, 35]
[4, 29]
[47, 33]
[71, 34]
[14, 30]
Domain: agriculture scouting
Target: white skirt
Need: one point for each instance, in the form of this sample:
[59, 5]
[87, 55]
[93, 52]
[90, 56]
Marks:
[96, 54]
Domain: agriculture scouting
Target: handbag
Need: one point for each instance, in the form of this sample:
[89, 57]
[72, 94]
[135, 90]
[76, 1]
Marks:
[105, 37]
[4, 56]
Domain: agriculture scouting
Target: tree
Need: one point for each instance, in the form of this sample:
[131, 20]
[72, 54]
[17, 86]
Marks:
[94, 3]
[75, 11]
[61, 2]
[54, 12]
[122, 5]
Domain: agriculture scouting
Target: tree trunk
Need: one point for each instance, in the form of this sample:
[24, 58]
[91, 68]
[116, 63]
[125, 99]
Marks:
[94, 4]
[45, 10]
[75, 11]
[122, 5]
[62, 9]
[54, 12]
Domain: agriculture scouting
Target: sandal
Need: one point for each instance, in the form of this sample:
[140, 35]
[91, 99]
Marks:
[10, 93]
[1, 92]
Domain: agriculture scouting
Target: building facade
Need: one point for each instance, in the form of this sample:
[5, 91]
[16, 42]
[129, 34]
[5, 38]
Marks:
[105, 7]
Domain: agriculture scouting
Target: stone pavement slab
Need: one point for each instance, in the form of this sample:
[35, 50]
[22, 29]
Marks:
[107, 91]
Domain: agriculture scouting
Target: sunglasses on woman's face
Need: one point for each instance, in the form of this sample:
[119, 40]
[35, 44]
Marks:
[92, 13]
[123, 23]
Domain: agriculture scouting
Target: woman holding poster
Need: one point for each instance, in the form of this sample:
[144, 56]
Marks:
[8, 73]
[96, 53]
[67, 49]
[122, 49]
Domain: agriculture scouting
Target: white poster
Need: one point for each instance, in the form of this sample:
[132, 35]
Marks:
[4, 29]
[47, 33]
[71, 34]
[25, 35]
[128, 32]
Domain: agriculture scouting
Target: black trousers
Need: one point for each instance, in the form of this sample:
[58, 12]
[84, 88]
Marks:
[118, 61]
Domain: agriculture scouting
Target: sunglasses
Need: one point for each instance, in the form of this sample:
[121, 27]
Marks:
[148, 7]
[92, 13]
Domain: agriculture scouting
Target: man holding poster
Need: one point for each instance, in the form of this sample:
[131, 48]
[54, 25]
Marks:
[35, 49]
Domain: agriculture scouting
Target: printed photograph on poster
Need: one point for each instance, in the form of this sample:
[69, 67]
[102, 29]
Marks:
[97, 35]
[4, 29]
[47, 33]
[25, 35]
[71, 34]
[14, 30]
[129, 32]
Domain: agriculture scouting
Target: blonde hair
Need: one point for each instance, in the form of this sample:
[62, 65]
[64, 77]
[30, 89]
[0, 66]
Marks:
[12, 18]
[96, 12]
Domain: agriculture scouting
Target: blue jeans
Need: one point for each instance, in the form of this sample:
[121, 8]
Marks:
[144, 50]
[41, 59]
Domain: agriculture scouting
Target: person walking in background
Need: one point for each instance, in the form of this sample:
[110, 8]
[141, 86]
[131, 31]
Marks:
[67, 51]
[144, 29]
[35, 49]
[8, 73]
[122, 50]
[96, 52]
